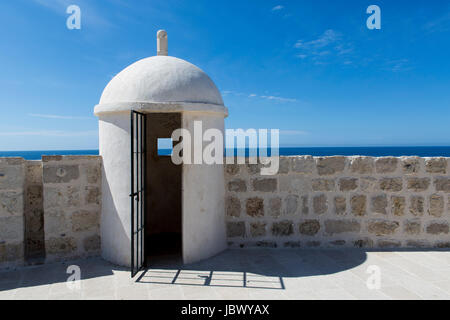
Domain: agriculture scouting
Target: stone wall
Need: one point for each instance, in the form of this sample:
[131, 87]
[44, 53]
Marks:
[12, 181]
[340, 202]
[72, 206]
[49, 209]
[34, 213]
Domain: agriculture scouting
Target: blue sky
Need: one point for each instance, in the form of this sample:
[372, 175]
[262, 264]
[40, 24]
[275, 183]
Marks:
[309, 68]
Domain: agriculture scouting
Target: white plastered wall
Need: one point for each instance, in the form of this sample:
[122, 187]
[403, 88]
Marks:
[203, 199]
[114, 143]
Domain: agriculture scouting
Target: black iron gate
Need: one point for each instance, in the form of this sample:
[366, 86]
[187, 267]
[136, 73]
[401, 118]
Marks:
[137, 195]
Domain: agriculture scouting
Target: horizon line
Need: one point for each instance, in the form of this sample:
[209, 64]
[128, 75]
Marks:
[283, 146]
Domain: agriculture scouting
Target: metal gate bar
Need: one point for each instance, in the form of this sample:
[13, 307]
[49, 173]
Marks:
[137, 195]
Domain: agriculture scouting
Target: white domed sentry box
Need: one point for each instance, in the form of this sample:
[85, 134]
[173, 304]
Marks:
[152, 207]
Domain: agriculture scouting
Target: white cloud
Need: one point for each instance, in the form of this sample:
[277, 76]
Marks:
[254, 95]
[328, 37]
[440, 24]
[278, 98]
[399, 65]
[328, 46]
[277, 8]
[332, 47]
[54, 116]
[343, 49]
[234, 93]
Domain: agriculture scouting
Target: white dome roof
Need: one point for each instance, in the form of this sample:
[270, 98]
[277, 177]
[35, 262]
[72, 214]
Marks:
[161, 79]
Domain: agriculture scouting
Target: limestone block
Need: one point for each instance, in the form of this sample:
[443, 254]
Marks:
[83, 220]
[258, 229]
[56, 223]
[60, 173]
[303, 164]
[235, 229]
[361, 165]
[438, 228]
[232, 169]
[363, 243]
[93, 173]
[379, 204]
[416, 206]
[418, 184]
[323, 185]
[386, 165]
[391, 184]
[237, 185]
[368, 184]
[411, 165]
[383, 227]
[305, 205]
[348, 184]
[11, 176]
[388, 244]
[254, 169]
[11, 252]
[11, 229]
[442, 184]
[255, 207]
[342, 226]
[35, 220]
[442, 244]
[92, 243]
[60, 245]
[282, 228]
[340, 205]
[309, 227]
[330, 165]
[436, 205]
[285, 165]
[298, 184]
[412, 227]
[61, 197]
[11, 203]
[398, 205]
[320, 204]
[417, 243]
[34, 196]
[265, 184]
[358, 205]
[33, 172]
[92, 195]
[53, 158]
[275, 207]
[291, 204]
[233, 207]
[436, 165]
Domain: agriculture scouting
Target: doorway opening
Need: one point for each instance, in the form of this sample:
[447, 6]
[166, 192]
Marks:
[163, 215]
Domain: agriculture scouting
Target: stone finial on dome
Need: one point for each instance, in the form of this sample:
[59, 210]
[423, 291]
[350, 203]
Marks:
[161, 43]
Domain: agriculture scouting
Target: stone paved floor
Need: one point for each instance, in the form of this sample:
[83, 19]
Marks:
[246, 274]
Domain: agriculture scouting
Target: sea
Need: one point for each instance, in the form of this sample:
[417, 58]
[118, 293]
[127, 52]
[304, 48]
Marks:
[421, 151]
